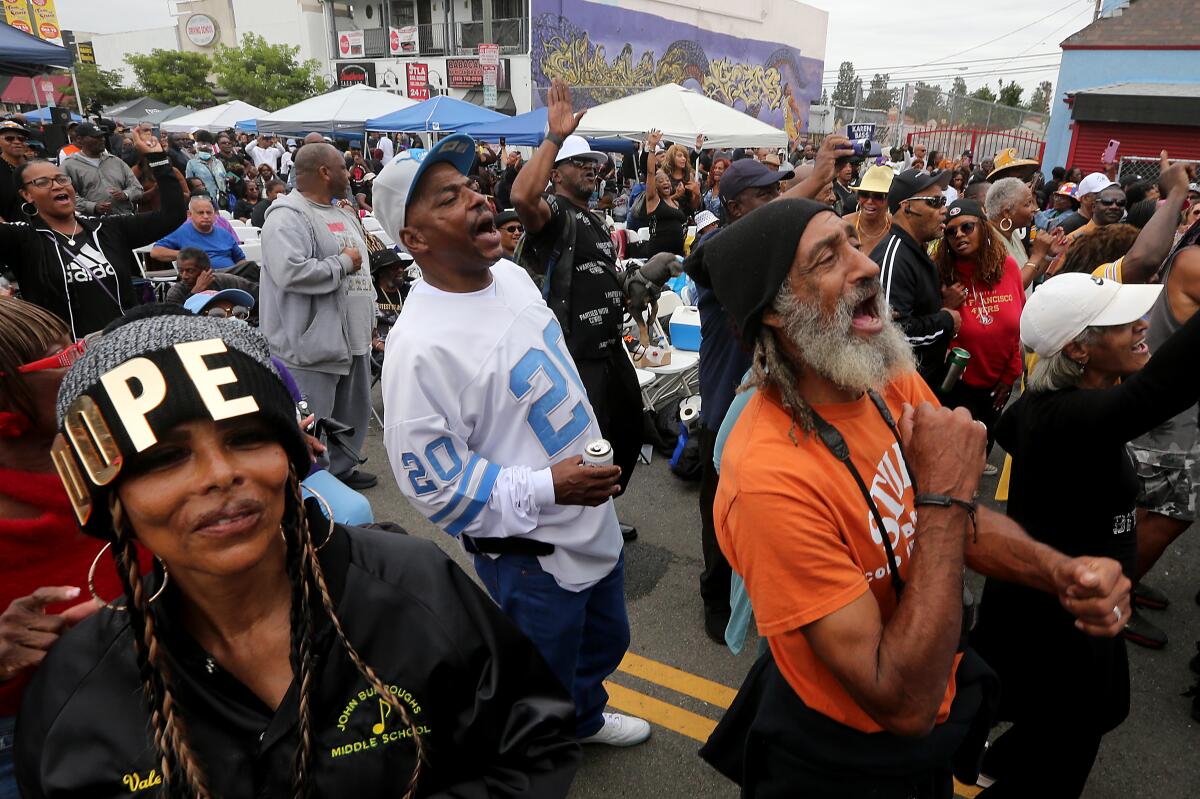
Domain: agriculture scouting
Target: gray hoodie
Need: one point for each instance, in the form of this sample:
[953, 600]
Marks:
[300, 297]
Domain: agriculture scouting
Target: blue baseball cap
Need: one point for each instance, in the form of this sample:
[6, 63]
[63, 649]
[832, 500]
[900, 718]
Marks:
[202, 299]
[746, 173]
[396, 181]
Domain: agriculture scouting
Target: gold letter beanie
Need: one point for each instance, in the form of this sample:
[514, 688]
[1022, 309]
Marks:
[143, 378]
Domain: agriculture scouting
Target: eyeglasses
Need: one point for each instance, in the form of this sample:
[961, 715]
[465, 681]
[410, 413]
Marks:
[59, 360]
[1109, 203]
[513, 229]
[965, 229]
[237, 312]
[934, 202]
[12, 139]
[58, 181]
[871, 195]
[582, 163]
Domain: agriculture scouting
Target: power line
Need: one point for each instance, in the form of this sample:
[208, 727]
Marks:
[1054, 33]
[971, 75]
[946, 64]
[993, 41]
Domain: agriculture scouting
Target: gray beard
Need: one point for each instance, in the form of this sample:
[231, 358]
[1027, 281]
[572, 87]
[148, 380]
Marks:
[828, 346]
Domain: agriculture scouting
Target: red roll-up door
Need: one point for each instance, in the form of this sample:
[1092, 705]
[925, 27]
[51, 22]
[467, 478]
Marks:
[1090, 139]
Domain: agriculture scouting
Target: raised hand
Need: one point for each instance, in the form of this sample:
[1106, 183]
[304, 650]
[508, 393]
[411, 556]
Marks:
[561, 117]
[652, 139]
[146, 142]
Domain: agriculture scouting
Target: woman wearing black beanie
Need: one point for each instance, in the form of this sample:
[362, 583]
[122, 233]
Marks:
[269, 651]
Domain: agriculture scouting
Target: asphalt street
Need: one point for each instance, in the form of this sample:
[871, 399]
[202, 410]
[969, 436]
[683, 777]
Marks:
[681, 680]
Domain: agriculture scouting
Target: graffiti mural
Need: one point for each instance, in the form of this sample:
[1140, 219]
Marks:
[606, 52]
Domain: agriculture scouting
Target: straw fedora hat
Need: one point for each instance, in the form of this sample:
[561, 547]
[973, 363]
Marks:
[1011, 165]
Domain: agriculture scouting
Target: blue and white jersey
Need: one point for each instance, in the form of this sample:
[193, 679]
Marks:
[481, 397]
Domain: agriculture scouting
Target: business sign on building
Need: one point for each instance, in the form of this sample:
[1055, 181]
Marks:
[352, 44]
[467, 73]
[86, 54]
[403, 41]
[201, 30]
[358, 73]
[16, 13]
[45, 21]
[418, 80]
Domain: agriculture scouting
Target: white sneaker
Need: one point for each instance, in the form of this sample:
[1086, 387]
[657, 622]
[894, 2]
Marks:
[990, 470]
[620, 730]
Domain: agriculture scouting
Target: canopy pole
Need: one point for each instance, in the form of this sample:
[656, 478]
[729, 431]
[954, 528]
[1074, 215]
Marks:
[78, 99]
[37, 98]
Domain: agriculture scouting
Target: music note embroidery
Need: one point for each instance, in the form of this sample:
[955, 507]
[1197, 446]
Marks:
[385, 710]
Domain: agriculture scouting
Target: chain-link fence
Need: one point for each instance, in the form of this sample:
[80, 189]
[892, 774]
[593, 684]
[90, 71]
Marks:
[1143, 168]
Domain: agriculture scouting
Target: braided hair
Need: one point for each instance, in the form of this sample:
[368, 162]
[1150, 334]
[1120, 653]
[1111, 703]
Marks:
[182, 773]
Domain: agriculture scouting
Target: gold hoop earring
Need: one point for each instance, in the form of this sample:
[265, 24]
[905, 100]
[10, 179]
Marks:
[91, 580]
[328, 515]
[1010, 224]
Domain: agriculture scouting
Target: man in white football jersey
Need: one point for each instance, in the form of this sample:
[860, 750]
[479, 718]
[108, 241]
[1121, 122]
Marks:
[486, 420]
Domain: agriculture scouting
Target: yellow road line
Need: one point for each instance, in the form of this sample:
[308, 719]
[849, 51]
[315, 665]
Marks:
[658, 712]
[677, 680]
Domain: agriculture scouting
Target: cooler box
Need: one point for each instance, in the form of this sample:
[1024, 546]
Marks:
[685, 328]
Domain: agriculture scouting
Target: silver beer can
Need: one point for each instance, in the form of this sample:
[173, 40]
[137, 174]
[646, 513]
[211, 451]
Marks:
[598, 453]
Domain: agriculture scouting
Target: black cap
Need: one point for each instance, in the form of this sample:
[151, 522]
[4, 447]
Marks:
[965, 208]
[10, 126]
[746, 173]
[908, 183]
[746, 286]
[506, 216]
[88, 129]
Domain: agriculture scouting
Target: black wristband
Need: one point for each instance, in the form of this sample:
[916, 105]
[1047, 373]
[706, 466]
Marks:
[553, 139]
[944, 501]
[157, 164]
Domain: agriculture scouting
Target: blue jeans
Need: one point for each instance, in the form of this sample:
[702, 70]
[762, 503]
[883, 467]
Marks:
[8, 776]
[582, 636]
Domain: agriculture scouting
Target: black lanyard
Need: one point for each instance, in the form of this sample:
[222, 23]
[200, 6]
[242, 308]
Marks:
[837, 447]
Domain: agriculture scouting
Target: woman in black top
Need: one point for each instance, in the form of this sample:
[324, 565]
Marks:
[81, 268]
[668, 221]
[243, 209]
[1073, 487]
[270, 652]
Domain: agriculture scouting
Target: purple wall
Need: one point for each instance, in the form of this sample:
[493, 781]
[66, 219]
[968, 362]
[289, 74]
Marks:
[605, 52]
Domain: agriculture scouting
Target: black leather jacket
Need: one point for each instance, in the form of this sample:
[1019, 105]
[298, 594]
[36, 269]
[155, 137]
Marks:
[494, 719]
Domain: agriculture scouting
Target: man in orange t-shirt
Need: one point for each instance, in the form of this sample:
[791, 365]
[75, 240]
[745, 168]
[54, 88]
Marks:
[860, 602]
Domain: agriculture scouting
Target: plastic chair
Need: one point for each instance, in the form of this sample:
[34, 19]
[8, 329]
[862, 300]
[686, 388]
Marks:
[253, 251]
[246, 233]
[668, 301]
[226, 214]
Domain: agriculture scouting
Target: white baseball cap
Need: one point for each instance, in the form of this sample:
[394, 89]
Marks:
[395, 182]
[577, 147]
[1094, 183]
[1066, 305]
[704, 219]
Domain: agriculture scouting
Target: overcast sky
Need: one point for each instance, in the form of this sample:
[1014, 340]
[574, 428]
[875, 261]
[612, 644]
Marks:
[1013, 40]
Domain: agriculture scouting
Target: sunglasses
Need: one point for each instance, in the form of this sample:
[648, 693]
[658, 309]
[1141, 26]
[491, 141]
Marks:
[965, 229]
[12, 139]
[934, 202]
[57, 181]
[237, 312]
[512, 229]
[872, 195]
[59, 360]
[1110, 203]
[583, 163]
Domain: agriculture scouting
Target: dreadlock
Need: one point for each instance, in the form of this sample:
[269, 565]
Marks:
[182, 775]
[26, 332]
[991, 257]
[299, 572]
[770, 369]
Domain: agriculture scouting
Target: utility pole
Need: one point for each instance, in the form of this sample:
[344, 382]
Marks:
[1096, 14]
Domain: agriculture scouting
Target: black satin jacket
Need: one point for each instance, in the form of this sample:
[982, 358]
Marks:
[494, 719]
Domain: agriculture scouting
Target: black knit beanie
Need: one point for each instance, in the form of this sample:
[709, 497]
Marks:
[140, 380]
[747, 262]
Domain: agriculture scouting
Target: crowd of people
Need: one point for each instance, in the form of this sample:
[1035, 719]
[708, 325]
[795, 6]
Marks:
[871, 326]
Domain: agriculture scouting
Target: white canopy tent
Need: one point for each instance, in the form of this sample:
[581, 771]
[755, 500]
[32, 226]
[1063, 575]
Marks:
[680, 114]
[342, 111]
[218, 118]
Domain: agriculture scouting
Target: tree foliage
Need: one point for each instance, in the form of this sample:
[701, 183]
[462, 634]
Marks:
[848, 85]
[927, 104]
[266, 75]
[1039, 101]
[1010, 94]
[879, 96]
[100, 87]
[174, 77]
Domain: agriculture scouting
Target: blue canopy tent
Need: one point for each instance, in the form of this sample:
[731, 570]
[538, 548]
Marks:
[528, 130]
[439, 114]
[23, 54]
[42, 116]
